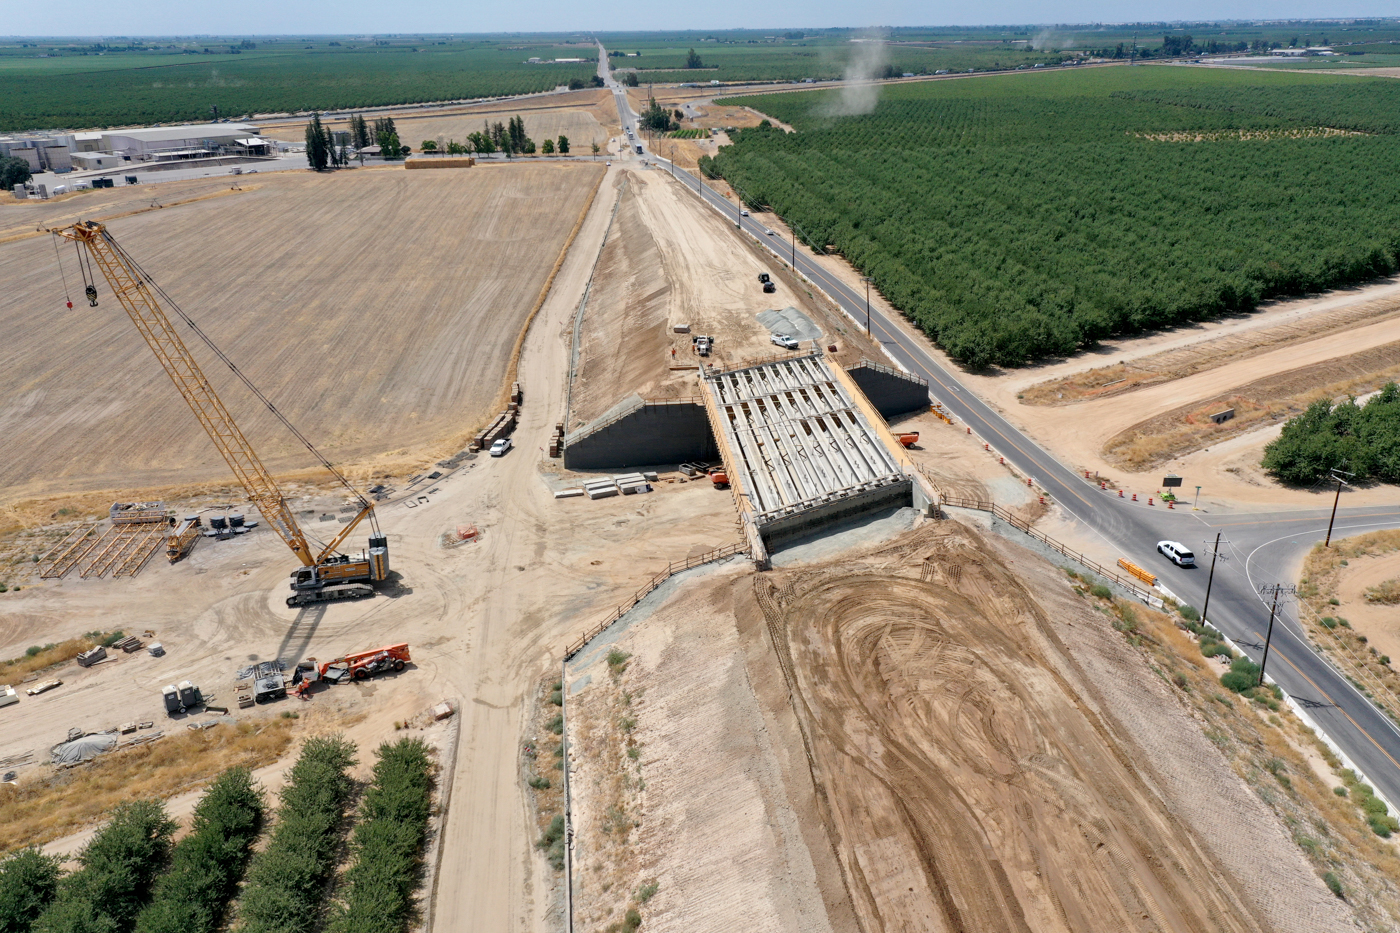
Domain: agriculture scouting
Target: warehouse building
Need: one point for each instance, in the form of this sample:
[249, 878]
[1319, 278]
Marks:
[176, 143]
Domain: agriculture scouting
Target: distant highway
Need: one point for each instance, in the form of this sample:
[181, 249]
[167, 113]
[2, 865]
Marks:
[1260, 547]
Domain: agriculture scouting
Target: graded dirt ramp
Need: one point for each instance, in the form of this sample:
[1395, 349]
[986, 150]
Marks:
[969, 786]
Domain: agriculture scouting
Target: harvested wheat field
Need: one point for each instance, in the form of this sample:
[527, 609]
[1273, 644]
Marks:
[583, 116]
[903, 739]
[377, 307]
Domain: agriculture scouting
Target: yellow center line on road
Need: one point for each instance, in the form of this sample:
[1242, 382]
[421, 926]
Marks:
[1009, 441]
[1335, 704]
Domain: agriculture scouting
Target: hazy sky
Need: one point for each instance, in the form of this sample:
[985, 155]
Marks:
[181, 17]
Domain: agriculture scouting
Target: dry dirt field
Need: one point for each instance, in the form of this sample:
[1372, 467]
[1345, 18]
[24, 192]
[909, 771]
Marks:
[485, 621]
[583, 116]
[1379, 622]
[956, 755]
[378, 307]
[669, 260]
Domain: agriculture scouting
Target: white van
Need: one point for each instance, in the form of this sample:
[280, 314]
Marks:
[1177, 553]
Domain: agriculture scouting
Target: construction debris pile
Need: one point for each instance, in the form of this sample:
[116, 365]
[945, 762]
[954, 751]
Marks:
[503, 424]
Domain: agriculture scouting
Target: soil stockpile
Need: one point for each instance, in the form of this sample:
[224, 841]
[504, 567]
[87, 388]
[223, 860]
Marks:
[969, 784]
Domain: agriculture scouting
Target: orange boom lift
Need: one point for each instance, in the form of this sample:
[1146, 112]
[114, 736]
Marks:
[325, 574]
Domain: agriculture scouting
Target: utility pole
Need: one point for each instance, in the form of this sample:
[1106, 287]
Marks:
[1336, 475]
[1286, 589]
[1214, 553]
[792, 228]
[866, 280]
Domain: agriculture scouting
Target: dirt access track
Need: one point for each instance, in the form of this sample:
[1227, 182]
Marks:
[378, 307]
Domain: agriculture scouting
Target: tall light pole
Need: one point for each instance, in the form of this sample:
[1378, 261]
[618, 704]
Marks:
[793, 230]
[866, 280]
[1336, 475]
[1287, 589]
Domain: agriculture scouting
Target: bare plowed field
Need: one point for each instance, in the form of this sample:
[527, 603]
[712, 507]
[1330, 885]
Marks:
[1179, 362]
[377, 307]
[970, 781]
[583, 116]
[1188, 427]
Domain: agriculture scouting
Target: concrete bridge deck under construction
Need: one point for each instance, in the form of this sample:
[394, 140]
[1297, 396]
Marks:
[803, 446]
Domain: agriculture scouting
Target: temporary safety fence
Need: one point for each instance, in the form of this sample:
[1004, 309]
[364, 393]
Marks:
[1021, 524]
[661, 577]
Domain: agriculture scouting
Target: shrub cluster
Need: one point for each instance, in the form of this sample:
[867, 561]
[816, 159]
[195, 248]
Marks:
[287, 881]
[118, 869]
[1373, 809]
[28, 882]
[388, 842]
[1361, 439]
[207, 864]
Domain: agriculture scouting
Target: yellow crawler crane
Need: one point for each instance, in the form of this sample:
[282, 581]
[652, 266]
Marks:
[325, 573]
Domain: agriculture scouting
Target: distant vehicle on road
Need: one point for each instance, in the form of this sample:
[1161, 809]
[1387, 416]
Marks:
[769, 232]
[499, 448]
[639, 148]
[743, 213]
[1177, 553]
[784, 341]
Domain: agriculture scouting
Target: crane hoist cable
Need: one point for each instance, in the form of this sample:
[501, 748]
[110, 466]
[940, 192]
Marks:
[242, 377]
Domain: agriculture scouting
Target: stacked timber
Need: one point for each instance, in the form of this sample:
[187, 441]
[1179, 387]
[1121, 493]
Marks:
[556, 442]
[138, 513]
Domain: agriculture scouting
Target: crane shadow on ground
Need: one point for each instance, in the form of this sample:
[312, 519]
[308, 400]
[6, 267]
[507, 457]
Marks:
[300, 633]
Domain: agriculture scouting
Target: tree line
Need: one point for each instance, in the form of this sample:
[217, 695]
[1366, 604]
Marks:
[133, 876]
[1363, 440]
[1013, 224]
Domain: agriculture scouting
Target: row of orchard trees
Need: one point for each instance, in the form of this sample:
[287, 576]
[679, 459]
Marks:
[1014, 221]
[1362, 440]
[132, 876]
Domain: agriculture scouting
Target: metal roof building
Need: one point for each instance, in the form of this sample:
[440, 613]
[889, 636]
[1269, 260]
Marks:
[173, 142]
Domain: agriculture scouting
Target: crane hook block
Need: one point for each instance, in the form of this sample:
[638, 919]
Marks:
[91, 292]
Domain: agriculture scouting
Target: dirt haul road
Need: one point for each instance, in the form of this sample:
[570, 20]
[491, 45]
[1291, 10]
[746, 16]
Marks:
[486, 621]
[377, 306]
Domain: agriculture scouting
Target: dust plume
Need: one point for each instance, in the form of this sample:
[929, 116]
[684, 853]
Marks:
[861, 92]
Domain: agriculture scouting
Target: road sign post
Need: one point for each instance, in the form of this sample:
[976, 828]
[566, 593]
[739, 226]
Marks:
[1197, 501]
[866, 280]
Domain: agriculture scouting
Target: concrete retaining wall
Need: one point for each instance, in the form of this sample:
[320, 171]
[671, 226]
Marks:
[784, 530]
[890, 391]
[652, 434]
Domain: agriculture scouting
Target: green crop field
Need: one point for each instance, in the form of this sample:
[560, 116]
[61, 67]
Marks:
[170, 85]
[1020, 216]
[819, 60]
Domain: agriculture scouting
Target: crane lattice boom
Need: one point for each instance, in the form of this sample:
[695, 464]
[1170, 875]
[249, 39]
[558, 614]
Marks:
[150, 319]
